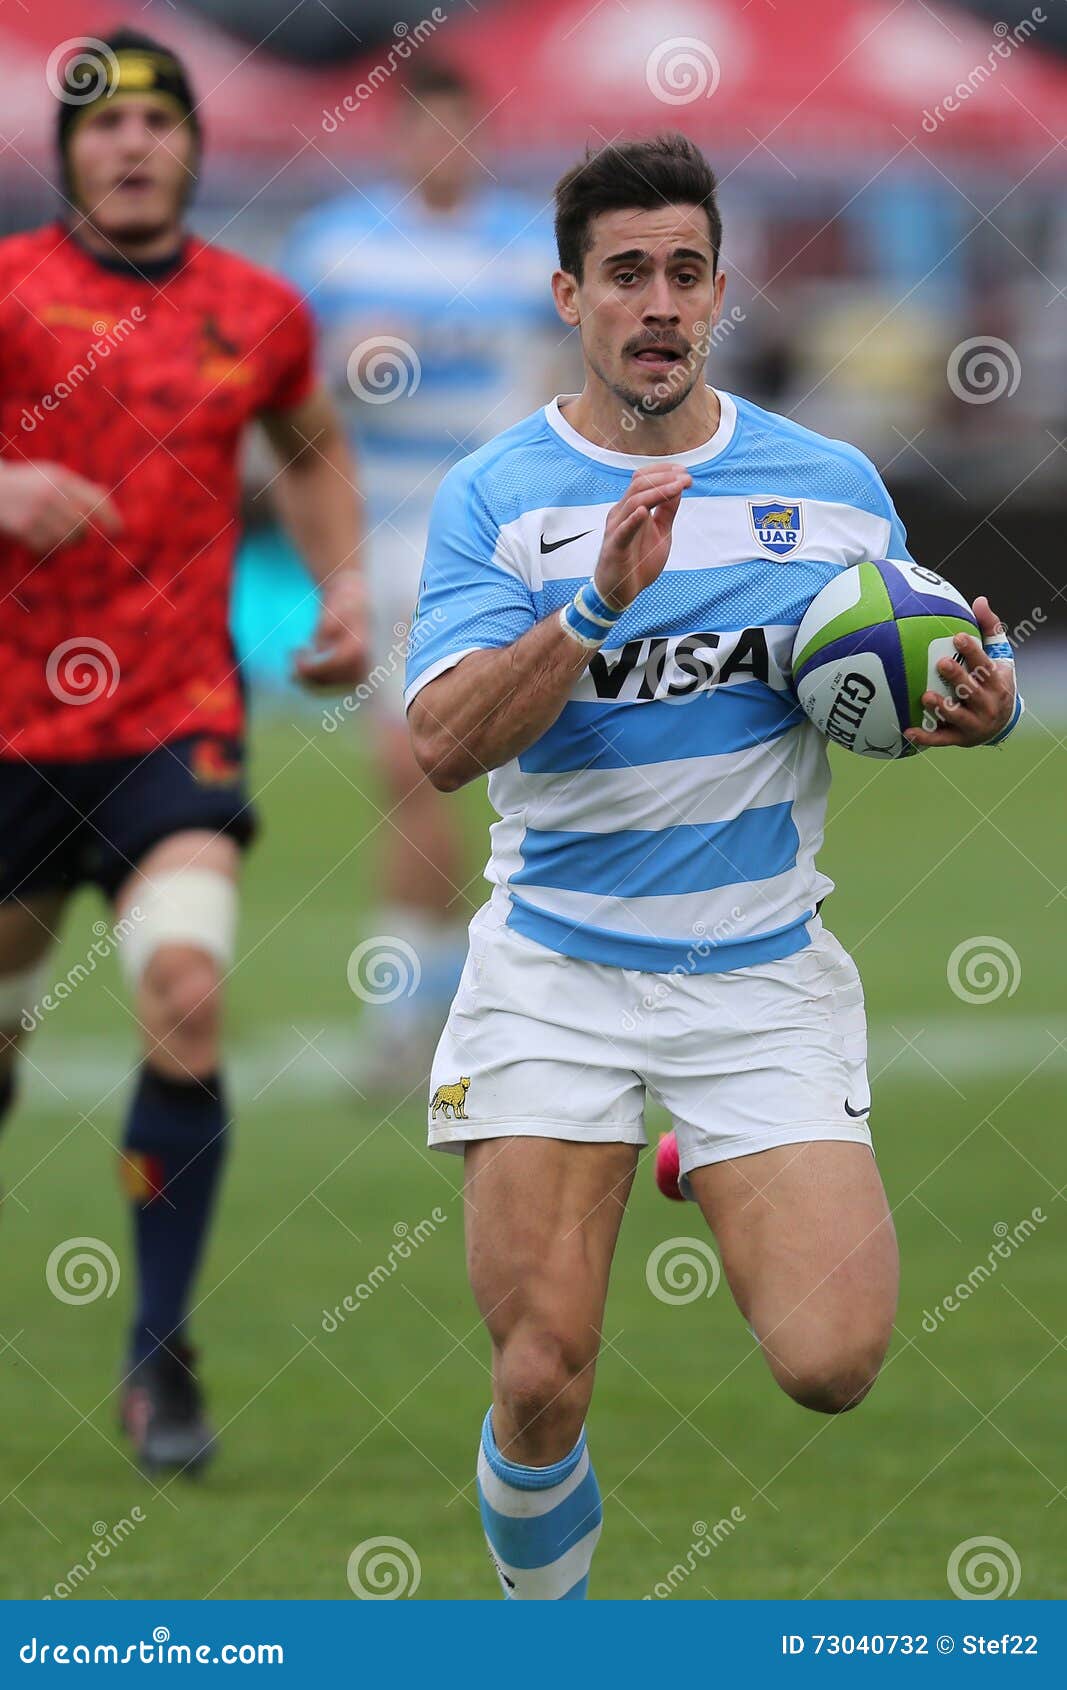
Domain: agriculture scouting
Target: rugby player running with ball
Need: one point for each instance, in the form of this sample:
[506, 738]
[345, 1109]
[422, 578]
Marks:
[608, 632]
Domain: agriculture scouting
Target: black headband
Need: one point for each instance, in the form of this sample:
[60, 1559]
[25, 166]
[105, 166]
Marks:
[101, 72]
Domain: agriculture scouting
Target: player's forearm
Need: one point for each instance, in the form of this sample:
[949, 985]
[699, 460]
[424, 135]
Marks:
[493, 704]
[321, 511]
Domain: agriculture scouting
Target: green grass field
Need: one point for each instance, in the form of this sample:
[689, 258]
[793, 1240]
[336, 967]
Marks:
[331, 1439]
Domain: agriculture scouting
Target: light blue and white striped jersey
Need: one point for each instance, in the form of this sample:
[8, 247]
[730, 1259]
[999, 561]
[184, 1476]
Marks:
[670, 816]
[460, 308]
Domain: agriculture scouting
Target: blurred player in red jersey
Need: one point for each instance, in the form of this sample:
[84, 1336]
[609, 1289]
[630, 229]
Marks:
[133, 357]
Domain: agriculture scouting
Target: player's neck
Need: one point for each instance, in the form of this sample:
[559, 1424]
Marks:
[598, 415]
[154, 248]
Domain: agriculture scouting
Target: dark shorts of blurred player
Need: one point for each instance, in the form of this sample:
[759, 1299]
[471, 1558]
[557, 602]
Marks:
[91, 823]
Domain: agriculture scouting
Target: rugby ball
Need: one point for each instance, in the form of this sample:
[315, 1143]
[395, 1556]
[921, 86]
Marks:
[868, 648]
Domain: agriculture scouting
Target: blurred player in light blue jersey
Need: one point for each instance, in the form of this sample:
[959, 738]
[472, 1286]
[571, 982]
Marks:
[606, 618]
[438, 330]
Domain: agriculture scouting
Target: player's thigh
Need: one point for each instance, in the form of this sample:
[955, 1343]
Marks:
[542, 1221]
[809, 1251]
[28, 929]
[191, 848]
[422, 818]
[396, 759]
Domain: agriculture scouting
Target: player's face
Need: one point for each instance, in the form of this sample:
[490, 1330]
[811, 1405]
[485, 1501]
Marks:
[131, 162]
[646, 303]
[434, 146]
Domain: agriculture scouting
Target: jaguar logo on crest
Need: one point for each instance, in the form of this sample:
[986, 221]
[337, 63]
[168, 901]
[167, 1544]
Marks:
[777, 524]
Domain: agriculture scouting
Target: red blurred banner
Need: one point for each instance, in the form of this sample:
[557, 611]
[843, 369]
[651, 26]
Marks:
[836, 75]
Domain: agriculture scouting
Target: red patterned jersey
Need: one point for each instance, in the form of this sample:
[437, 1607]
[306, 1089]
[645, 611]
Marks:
[144, 385]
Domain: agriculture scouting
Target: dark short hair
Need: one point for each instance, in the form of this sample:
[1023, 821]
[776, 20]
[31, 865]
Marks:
[429, 79]
[667, 170]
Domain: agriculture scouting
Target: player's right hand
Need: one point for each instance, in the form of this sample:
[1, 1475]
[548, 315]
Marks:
[637, 534]
[45, 505]
[338, 655]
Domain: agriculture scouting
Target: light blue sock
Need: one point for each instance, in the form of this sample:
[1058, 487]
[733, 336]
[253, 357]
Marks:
[542, 1523]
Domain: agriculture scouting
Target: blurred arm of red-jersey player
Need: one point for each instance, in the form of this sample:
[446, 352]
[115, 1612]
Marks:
[319, 504]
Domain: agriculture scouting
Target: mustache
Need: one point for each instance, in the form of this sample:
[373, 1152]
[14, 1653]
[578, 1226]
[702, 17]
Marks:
[645, 343]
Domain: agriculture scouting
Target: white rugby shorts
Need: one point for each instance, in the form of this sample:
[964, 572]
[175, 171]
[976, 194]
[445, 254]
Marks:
[542, 1045]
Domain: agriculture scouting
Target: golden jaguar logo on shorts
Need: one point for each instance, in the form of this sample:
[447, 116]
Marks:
[451, 1097]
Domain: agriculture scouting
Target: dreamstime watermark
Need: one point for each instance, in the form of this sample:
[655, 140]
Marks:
[1007, 40]
[383, 368]
[981, 969]
[105, 1539]
[705, 1539]
[381, 1569]
[80, 70]
[682, 1270]
[1027, 628]
[108, 939]
[407, 40]
[408, 1240]
[407, 642]
[982, 1569]
[384, 968]
[1009, 1239]
[108, 336]
[681, 70]
[983, 369]
[79, 1270]
[378, 676]
[650, 403]
[81, 670]
[703, 944]
[159, 1650]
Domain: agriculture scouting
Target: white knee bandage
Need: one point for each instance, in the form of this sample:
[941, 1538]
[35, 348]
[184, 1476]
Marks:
[188, 906]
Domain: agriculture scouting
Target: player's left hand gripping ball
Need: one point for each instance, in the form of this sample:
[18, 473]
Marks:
[984, 700]
[338, 656]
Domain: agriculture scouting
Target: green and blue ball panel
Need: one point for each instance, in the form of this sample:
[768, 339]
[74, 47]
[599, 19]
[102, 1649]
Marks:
[868, 648]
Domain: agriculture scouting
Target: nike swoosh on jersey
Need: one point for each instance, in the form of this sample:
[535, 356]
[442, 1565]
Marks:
[857, 1113]
[554, 545]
